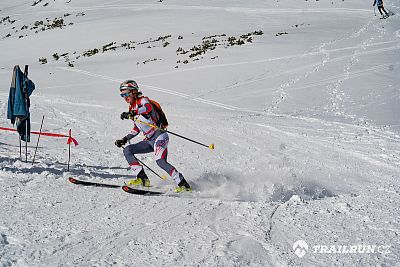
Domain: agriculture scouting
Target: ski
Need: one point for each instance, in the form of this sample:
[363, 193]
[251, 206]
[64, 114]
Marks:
[86, 183]
[136, 191]
[386, 16]
[126, 188]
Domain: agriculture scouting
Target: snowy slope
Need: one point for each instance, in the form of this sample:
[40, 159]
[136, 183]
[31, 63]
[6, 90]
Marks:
[304, 117]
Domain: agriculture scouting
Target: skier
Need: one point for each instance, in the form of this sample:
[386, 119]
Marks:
[379, 3]
[143, 113]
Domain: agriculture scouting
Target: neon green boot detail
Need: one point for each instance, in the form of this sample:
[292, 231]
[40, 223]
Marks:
[183, 186]
[180, 189]
[139, 181]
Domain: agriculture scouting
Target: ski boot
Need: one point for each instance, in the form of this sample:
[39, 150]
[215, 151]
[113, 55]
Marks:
[141, 179]
[183, 186]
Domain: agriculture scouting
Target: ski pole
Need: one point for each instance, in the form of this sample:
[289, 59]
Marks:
[141, 162]
[211, 146]
[162, 177]
[27, 104]
[26, 140]
[20, 147]
[69, 148]
[374, 11]
[37, 144]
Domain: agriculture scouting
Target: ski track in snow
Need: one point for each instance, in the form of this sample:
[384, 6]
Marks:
[260, 61]
[333, 87]
[160, 89]
[149, 7]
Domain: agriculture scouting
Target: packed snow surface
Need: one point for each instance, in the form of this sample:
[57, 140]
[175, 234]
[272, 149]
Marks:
[300, 98]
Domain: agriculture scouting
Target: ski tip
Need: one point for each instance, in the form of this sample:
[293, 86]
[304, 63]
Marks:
[125, 188]
[211, 146]
[72, 180]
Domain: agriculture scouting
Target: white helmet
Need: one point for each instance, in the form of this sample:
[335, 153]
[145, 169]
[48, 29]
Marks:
[129, 85]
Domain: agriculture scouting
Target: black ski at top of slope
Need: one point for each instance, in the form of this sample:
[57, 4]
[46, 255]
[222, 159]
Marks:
[390, 13]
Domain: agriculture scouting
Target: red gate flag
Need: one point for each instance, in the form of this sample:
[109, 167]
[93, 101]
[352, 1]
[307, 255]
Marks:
[70, 138]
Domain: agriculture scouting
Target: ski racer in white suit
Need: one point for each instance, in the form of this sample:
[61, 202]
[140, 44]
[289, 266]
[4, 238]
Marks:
[146, 121]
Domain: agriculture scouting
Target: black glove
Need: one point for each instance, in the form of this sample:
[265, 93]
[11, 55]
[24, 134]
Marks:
[128, 115]
[121, 142]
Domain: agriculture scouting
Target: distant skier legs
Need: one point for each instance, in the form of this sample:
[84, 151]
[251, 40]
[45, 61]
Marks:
[380, 9]
[379, 3]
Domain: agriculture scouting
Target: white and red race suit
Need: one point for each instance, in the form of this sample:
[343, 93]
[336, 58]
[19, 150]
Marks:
[145, 113]
[155, 140]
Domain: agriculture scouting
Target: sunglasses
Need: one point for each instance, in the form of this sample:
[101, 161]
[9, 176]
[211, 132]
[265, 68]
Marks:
[125, 94]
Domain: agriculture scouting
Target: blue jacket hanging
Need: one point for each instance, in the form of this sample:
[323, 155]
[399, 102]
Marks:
[18, 103]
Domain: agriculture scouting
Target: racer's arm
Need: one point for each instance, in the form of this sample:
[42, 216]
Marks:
[134, 132]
